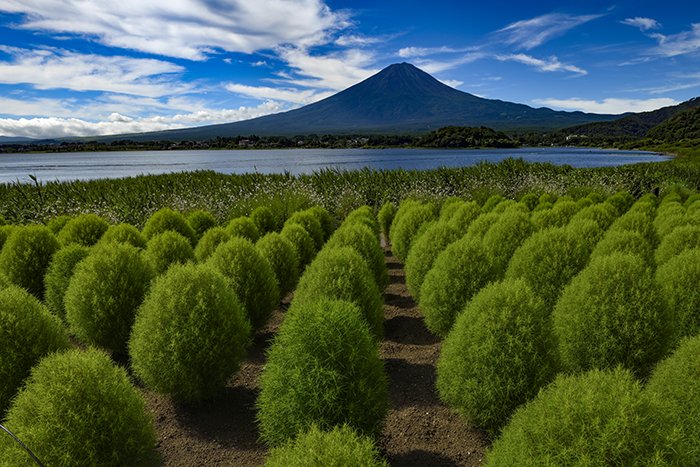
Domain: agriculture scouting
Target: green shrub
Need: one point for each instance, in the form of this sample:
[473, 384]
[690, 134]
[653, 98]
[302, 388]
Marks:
[166, 219]
[557, 216]
[340, 446]
[682, 238]
[424, 251]
[311, 224]
[544, 206]
[190, 334]
[678, 279]
[251, 278]
[405, 229]
[361, 239]
[365, 216]
[201, 221]
[243, 227]
[500, 352]
[675, 386]
[282, 256]
[644, 206]
[405, 206]
[59, 274]
[596, 418]
[636, 222]
[57, 223]
[668, 217]
[86, 230]
[385, 216]
[123, 233]
[341, 273]
[611, 314]
[505, 236]
[302, 242]
[457, 274]
[603, 214]
[548, 198]
[27, 332]
[624, 241]
[5, 231]
[164, 250]
[209, 242]
[510, 205]
[264, 219]
[692, 199]
[323, 369]
[448, 207]
[530, 200]
[479, 226]
[328, 223]
[102, 297]
[622, 200]
[26, 256]
[464, 215]
[79, 409]
[491, 203]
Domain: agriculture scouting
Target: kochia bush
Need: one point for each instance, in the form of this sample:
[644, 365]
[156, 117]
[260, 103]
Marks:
[79, 409]
[424, 251]
[86, 230]
[360, 238]
[323, 369]
[365, 216]
[166, 249]
[201, 221]
[668, 217]
[243, 227]
[682, 238]
[463, 215]
[190, 334]
[505, 236]
[59, 274]
[326, 220]
[123, 233]
[57, 223]
[624, 241]
[404, 231]
[385, 216]
[302, 242]
[603, 214]
[311, 224]
[638, 222]
[678, 279]
[166, 219]
[500, 352]
[26, 256]
[264, 219]
[283, 258]
[209, 242]
[479, 226]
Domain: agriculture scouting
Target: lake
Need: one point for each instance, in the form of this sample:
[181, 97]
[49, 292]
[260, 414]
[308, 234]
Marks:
[94, 165]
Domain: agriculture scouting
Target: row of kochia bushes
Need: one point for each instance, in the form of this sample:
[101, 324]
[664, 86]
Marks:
[554, 314]
[180, 299]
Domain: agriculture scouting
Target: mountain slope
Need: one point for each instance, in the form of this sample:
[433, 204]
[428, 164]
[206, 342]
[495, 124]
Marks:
[685, 125]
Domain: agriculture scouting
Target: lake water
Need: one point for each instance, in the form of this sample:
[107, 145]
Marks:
[95, 165]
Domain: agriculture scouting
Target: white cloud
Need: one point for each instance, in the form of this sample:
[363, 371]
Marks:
[54, 68]
[608, 106]
[295, 96]
[437, 66]
[190, 29]
[354, 40]
[530, 33]
[550, 64]
[453, 83]
[412, 52]
[686, 42]
[644, 24]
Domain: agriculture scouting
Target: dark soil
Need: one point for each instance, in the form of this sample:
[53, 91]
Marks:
[419, 430]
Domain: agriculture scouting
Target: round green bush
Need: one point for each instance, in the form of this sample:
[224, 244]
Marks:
[264, 219]
[123, 233]
[675, 386]
[692, 199]
[4, 282]
[27, 332]
[668, 217]
[602, 213]
[548, 198]
[678, 279]
[250, 276]
[340, 446]
[624, 241]
[610, 314]
[530, 200]
[596, 418]
[201, 221]
[57, 223]
[385, 217]
[102, 297]
[448, 207]
[405, 206]
[282, 256]
[302, 242]
[164, 250]
[479, 226]
[424, 251]
[510, 205]
[558, 216]
[243, 227]
[166, 219]
[86, 230]
[5, 231]
[500, 352]
[585, 234]
[644, 206]
[404, 231]
[341, 273]
[79, 409]
[323, 368]
[457, 274]
[622, 200]
[505, 236]
[327, 222]
[360, 238]
[544, 206]
[311, 224]
[491, 203]
[190, 335]
[59, 274]
[26, 256]
[209, 242]
[636, 222]
[365, 216]
[682, 238]
[464, 215]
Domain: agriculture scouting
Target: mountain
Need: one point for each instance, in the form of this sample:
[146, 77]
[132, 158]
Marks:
[632, 126]
[15, 139]
[684, 125]
[399, 99]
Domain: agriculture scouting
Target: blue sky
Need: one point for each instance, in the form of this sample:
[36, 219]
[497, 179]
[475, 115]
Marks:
[86, 67]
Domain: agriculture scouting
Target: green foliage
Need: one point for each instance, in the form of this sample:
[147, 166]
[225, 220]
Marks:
[5, 231]
[404, 230]
[424, 251]
[530, 200]
[166, 219]
[595, 418]
[59, 274]
[610, 314]
[548, 198]
[636, 222]
[283, 258]
[26, 256]
[498, 355]
[250, 276]
[168, 248]
[479, 226]
[323, 369]
[79, 409]
[302, 242]
[603, 214]
[327, 222]
[682, 238]
[340, 273]
[209, 242]
[190, 334]
[339, 447]
[622, 200]
[457, 274]
[243, 227]
[27, 332]
[102, 297]
[684, 125]
[385, 216]
[463, 215]
[264, 219]
[624, 241]
[675, 386]
[505, 236]
[363, 215]
[678, 279]
[360, 238]
[668, 217]
[491, 203]
[466, 137]
[57, 223]
[201, 221]
[557, 216]
[311, 224]
[448, 207]
[123, 233]
[86, 230]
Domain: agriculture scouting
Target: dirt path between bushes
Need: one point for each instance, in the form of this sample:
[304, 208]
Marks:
[419, 430]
